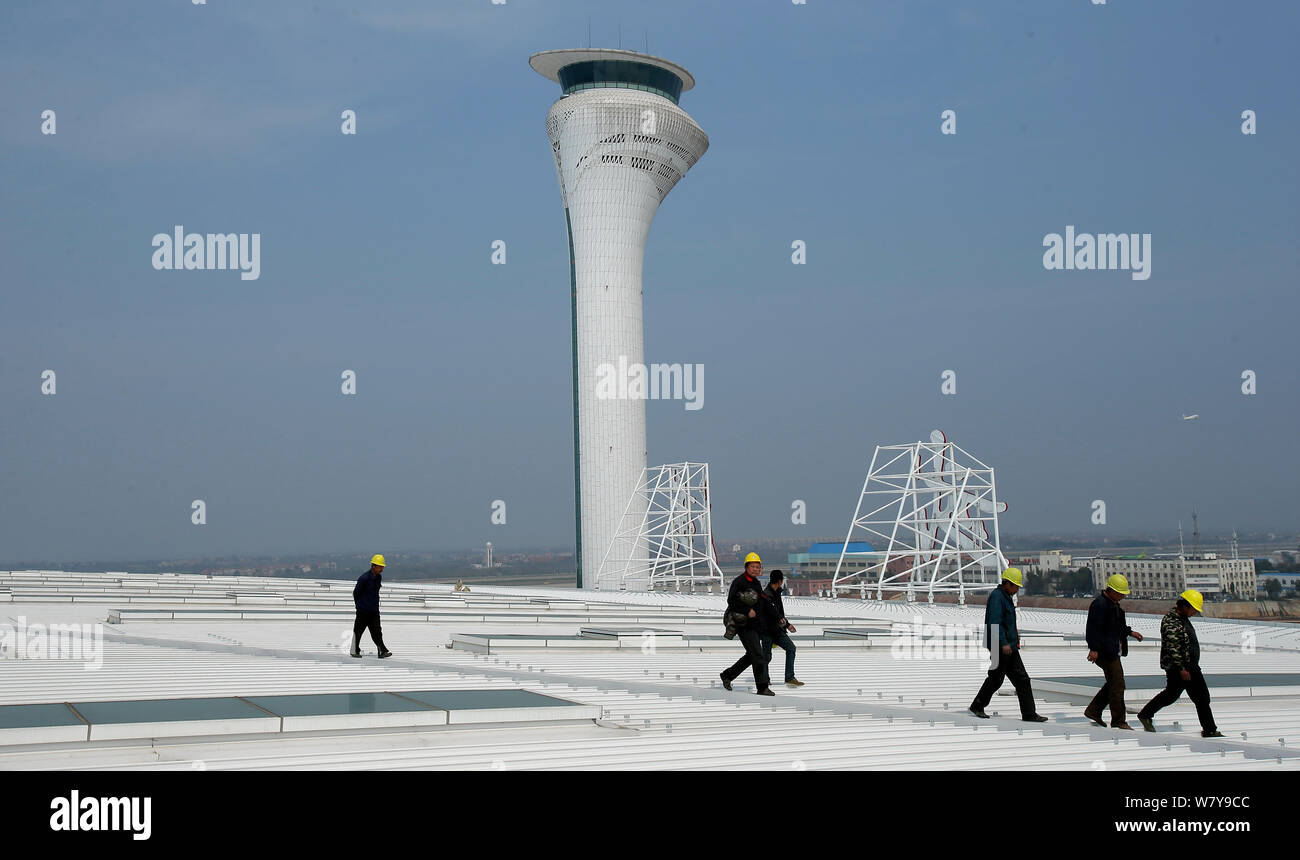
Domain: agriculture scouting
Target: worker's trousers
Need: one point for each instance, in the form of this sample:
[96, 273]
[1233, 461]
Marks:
[1111, 692]
[1197, 690]
[367, 620]
[753, 657]
[782, 640]
[1005, 667]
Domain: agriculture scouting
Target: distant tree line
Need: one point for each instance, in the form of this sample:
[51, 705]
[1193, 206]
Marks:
[1288, 565]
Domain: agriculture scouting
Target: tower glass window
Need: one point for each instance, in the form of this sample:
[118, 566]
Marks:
[621, 73]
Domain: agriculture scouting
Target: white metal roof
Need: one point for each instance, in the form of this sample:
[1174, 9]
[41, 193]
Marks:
[863, 707]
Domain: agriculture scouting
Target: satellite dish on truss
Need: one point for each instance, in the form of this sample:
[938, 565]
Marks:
[934, 509]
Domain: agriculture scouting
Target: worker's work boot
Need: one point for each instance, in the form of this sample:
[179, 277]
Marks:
[1123, 726]
[979, 712]
[794, 682]
[385, 653]
[726, 685]
[1096, 718]
[1147, 724]
[1036, 718]
[356, 647]
[1214, 734]
[766, 691]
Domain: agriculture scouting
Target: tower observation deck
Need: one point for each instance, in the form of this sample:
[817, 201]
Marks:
[620, 144]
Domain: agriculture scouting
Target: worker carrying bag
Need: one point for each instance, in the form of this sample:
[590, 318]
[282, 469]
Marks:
[732, 620]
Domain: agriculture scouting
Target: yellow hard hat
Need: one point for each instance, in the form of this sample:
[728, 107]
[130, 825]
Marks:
[1013, 576]
[1193, 597]
[379, 560]
[1117, 582]
[753, 556]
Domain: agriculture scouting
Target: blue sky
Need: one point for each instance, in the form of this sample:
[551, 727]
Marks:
[924, 254]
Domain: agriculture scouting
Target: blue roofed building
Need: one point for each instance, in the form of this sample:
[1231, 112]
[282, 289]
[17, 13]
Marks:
[816, 567]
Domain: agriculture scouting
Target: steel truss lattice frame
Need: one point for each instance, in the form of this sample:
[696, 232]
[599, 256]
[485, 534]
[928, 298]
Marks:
[934, 508]
[669, 543]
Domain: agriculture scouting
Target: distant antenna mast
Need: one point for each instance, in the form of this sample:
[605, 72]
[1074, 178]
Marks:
[588, 32]
[1196, 535]
[1234, 545]
[1182, 557]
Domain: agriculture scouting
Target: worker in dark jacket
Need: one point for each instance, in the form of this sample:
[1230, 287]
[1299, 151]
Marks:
[1002, 638]
[776, 628]
[366, 597]
[1180, 657]
[751, 633]
[1107, 635]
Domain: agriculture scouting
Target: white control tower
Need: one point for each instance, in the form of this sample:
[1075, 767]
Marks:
[620, 143]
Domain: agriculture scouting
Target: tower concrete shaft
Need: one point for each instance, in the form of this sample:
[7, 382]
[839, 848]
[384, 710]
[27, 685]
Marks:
[620, 144]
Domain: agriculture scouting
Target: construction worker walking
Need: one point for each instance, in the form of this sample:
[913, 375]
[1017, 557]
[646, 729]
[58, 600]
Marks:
[750, 626]
[776, 627]
[1180, 657]
[1002, 638]
[366, 597]
[1107, 636]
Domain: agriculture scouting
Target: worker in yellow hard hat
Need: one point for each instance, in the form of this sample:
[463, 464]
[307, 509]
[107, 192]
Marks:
[1180, 657]
[1107, 635]
[366, 597]
[743, 610]
[1002, 638]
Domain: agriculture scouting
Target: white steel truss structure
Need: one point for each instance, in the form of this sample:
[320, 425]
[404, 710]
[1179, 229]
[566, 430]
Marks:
[665, 537]
[934, 509]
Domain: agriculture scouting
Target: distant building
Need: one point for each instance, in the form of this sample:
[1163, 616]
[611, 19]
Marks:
[1026, 564]
[805, 587]
[1159, 577]
[821, 559]
[1054, 560]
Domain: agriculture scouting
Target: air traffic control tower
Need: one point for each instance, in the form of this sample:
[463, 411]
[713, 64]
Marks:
[620, 143]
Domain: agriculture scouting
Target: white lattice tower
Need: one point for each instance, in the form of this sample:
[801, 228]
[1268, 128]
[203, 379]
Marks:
[665, 538]
[933, 508]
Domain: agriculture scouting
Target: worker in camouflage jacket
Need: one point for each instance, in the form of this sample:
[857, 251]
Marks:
[1180, 657]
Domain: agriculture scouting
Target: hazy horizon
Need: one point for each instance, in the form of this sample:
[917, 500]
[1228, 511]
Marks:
[1210, 542]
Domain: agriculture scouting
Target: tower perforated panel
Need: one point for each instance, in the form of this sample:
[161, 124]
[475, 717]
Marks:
[618, 153]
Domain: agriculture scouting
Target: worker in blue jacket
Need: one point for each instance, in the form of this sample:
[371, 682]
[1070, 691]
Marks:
[1002, 638]
[366, 596]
